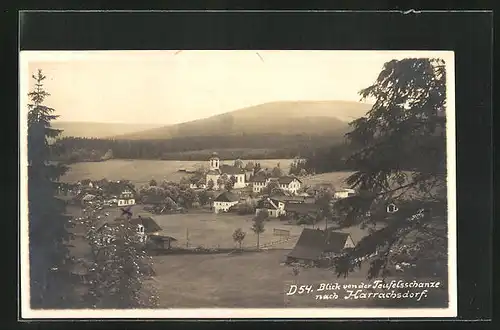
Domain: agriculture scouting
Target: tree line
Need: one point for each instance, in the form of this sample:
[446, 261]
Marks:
[262, 146]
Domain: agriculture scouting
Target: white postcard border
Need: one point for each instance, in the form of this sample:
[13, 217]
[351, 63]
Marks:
[224, 313]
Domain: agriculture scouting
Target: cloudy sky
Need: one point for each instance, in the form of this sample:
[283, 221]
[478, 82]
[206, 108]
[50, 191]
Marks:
[168, 87]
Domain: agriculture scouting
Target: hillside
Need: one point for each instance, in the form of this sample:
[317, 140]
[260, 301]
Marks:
[99, 130]
[286, 117]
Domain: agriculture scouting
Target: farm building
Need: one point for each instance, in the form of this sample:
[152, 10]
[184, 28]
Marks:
[224, 201]
[297, 210]
[315, 244]
[273, 207]
[145, 226]
[158, 240]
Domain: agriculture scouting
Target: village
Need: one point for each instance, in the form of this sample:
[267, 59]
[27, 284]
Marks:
[211, 211]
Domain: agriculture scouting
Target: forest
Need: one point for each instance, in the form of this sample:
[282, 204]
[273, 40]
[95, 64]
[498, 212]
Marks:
[263, 146]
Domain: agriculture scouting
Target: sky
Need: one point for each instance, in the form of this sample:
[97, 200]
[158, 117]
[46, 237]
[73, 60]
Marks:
[170, 87]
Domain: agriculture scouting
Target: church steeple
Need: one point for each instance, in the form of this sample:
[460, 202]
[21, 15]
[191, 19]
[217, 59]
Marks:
[214, 161]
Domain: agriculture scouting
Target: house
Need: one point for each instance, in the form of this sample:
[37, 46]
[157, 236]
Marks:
[87, 199]
[126, 198]
[158, 240]
[224, 201]
[288, 184]
[297, 210]
[344, 193]
[218, 170]
[315, 244]
[273, 207]
[259, 182]
[145, 226]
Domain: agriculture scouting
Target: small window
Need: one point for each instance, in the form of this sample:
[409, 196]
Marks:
[391, 208]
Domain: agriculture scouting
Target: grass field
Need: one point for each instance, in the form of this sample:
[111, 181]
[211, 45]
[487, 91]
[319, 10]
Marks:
[248, 280]
[141, 171]
[254, 280]
[210, 230]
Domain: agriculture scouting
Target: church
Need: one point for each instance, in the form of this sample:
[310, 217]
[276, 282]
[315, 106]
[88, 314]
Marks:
[218, 170]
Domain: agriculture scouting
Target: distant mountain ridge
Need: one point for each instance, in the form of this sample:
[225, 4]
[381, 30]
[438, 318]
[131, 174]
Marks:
[98, 130]
[282, 117]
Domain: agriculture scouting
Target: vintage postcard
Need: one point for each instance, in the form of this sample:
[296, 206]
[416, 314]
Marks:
[237, 184]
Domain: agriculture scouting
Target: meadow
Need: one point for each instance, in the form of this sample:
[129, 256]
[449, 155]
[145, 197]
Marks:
[212, 230]
[258, 280]
[249, 279]
[142, 171]
[209, 230]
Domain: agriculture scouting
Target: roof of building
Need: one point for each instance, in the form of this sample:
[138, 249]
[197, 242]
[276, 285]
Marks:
[161, 237]
[150, 225]
[231, 170]
[313, 242]
[287, 179]
[267, 203]
[259, 178]
[301, 207]
[335, 241]
[88, 197]
[227, 197]
[285, 198]
[310, 245]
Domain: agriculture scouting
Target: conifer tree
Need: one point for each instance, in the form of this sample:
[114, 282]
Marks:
[50, 284]
[400, 158]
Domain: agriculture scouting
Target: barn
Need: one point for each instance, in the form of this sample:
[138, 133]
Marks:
[315, 244]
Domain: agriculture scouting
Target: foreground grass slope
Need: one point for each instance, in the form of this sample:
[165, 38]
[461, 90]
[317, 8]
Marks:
[257, 280]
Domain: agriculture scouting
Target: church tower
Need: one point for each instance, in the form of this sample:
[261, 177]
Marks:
[214, 161]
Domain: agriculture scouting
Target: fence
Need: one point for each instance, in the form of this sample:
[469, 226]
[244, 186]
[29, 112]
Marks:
[281, 232]
[185, 244]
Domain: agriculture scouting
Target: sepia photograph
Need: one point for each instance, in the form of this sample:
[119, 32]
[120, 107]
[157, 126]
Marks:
[237, 183]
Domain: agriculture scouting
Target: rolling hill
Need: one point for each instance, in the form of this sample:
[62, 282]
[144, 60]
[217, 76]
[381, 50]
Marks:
[99, 130]
[285, 117]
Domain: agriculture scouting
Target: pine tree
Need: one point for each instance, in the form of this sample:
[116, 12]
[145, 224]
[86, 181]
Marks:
[400, 158]
[50, 284]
